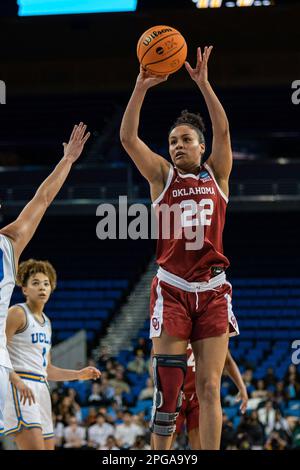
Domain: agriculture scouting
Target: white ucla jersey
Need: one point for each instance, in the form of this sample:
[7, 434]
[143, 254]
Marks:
[29, 348]
[7, 284]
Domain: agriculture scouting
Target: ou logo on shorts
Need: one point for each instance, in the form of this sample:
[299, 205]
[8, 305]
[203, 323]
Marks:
[155, 323]
[233, 320]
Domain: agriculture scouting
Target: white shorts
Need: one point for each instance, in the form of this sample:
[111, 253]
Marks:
[18, 416]
[4, 381]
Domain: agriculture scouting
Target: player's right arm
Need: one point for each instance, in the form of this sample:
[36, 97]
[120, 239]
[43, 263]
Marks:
[233, 371]
[16, 321]
[151, 165]
[22, 229]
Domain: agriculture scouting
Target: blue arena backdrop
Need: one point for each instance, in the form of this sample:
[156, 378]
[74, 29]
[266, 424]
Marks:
[63, 7]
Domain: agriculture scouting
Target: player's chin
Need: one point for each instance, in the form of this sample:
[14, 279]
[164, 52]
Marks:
[182, 163]
[43, 298]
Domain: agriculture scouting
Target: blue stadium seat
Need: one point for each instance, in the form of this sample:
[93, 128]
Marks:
[82, 387]
[88, 294]
[142, 405]
[231, 412]
[294, 404]
[236, 421]
[292, 412]
[85, 412]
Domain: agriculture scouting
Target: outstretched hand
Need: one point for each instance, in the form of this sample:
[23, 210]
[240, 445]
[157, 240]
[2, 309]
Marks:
[73, 149]
[89, 373]
[200, 73]
[148, 79]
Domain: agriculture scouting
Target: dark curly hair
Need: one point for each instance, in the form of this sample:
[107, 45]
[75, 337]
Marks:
[192, 120]
[33, 266]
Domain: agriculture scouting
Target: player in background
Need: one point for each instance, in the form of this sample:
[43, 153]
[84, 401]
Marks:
[29, 418]
[15, 236]
[189, 411]
[190, 297]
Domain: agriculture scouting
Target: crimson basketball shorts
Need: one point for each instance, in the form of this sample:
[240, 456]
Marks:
[189, 414]
[191, 315]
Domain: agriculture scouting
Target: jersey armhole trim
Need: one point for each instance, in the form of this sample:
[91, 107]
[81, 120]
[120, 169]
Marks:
[24, 328]
[47, 319]
[210, 171]
[12, 254]
[170, 176]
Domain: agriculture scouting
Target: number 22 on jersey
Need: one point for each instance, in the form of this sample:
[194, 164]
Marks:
[196, 215]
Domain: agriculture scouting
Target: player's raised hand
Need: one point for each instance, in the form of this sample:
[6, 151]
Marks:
[74, 147]
[25, 393]
[147, 79]
[200, 73]
[89, 373]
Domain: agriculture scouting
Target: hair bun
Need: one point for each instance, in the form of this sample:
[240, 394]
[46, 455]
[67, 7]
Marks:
[194, 119]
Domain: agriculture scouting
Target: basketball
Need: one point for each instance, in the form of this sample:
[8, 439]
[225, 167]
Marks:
[161, 50]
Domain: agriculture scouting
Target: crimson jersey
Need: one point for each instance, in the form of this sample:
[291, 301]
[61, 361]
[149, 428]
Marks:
[189, 387]
[194, 242]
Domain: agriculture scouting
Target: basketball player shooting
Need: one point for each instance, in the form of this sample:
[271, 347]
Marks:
[190, 297]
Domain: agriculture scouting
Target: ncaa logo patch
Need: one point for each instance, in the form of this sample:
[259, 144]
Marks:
[204, 176]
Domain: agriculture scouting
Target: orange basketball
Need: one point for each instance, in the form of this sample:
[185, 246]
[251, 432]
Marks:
[161, 50]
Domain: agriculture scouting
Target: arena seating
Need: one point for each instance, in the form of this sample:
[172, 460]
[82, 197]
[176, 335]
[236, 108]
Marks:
[82, 304]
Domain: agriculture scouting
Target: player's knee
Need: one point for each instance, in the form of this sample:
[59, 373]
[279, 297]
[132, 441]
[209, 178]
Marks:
[208, 389]
[30, 439]
[169, 372]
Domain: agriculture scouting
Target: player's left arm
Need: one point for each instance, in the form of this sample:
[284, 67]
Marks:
[233, 371]
[21, 230]
[220, 159]
[60, 375]
[15, 321]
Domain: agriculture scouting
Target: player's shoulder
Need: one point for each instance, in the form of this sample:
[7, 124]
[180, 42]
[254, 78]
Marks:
[17, 316]
[16, 310]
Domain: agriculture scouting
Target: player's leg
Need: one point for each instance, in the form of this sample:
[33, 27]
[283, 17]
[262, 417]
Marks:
[169, 365]
[192, 423]
[4, 382]
[210, 354]
[170, 328]
[46, 417]
[30, 439]
[194, 439]
[27, 436]
[180, 421]
[49, 443]
[174, 437]
[209, 340]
